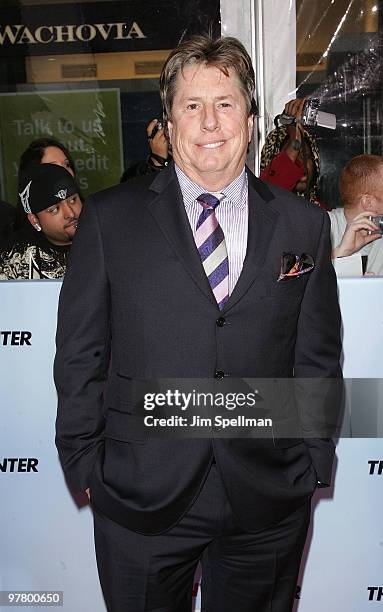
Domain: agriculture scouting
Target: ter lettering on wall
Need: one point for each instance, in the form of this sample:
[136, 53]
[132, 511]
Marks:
[19, 464]
[15, 338]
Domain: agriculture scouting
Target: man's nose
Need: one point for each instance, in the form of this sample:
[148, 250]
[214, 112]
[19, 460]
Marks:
[68, 210]
[210, 119]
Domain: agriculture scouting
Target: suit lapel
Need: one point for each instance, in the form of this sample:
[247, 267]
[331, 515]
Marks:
[169, 212]
[262, 222]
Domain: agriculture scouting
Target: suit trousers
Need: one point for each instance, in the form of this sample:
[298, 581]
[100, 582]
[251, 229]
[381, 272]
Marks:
[248, 572]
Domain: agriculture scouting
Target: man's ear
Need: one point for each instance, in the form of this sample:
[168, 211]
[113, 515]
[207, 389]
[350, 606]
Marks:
[169, 126]
[33, 220]
[250, 126]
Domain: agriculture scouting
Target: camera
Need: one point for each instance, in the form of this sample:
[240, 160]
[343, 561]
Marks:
[311, 116]
[379, 224]
[156, 128]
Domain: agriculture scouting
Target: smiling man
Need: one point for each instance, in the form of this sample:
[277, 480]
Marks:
[210, 126]
[180, 277]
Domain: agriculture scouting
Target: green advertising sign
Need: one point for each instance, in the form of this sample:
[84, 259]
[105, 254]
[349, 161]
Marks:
[87, 122]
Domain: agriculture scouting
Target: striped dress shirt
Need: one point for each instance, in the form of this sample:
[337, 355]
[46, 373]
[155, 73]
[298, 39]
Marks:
[231, 213]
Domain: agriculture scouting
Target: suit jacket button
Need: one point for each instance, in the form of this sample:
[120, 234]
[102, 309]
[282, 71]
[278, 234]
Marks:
[220, 322]
[219, 374]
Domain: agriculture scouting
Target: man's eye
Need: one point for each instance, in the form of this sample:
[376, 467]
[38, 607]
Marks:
[192, 106]
[54, 210]
[225, 105]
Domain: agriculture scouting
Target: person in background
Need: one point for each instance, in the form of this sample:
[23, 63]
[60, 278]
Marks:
[158, 157]
[290, 156]
[7, 221]
[42, 151]
[357, 251]
[46, 151]
[51, 202]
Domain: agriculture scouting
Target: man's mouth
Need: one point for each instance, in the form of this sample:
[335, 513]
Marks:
[71, 224]
[212, 145]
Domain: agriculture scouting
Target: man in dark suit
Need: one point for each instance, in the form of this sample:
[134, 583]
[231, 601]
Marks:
[180, 277]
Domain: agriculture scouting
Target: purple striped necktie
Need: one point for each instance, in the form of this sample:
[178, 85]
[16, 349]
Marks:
[211, 245]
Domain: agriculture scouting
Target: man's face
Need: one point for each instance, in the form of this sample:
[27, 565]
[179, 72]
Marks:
[368, 194]
[376, 191]
[377, 203]
[59, 222]
[54, 155]
[209, 128]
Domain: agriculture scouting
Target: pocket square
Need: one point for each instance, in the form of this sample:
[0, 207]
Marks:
[293, 265]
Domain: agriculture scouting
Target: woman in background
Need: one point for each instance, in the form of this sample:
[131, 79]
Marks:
[46, 151]
[42, 151]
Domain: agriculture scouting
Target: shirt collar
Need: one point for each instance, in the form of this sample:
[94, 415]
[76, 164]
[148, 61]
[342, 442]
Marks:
[235, 192]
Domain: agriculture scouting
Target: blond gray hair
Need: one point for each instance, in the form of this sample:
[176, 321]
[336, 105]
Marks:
[223, 53]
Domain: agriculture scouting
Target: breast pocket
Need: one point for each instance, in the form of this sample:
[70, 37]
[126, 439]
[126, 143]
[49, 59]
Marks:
[286, 299]
[291, 288]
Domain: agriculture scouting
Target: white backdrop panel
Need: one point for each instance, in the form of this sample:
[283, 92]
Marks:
[47, 540]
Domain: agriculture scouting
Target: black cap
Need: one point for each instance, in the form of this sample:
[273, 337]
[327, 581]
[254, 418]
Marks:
[44, 185]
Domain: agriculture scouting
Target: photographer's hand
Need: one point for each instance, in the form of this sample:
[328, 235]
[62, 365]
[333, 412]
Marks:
[356, 235]
[294, 108]
[158, 145]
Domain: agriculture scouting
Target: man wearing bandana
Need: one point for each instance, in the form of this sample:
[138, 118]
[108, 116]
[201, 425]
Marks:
[50, 198]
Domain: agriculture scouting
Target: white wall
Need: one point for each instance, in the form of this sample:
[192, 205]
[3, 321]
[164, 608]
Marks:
[47, 540]
[267, 28]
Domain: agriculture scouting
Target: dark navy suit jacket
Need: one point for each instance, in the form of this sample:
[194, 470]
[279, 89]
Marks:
[136, 304]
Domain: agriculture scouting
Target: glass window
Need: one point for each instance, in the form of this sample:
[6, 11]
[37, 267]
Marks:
[87, 73]
[339, 62]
